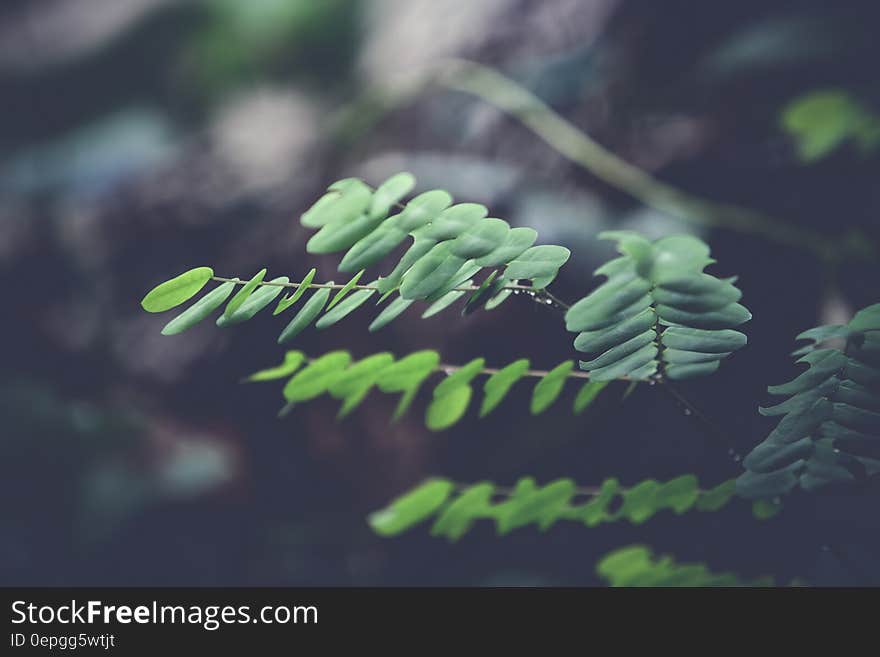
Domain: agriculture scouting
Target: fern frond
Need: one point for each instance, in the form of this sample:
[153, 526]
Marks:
[657, 312]
[455, 508]
[636, 565]
[830, 429]
[450, 243]
[350, 381]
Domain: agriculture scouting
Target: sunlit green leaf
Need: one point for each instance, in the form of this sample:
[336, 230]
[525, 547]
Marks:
[497, 385]
[181, 288]
[411, 508]
[548, 387]
[292, 362]
[317, 377]
[447, 409]
[288, 301]
[585, 396]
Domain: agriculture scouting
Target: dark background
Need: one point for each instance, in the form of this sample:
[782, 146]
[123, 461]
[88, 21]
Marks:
[139, 138]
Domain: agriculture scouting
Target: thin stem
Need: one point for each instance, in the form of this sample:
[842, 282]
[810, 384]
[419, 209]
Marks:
[579, 491]
[540, 374]
[506, 491]
[339, 286]
[447, 368]
[578, 147]
[690, 409]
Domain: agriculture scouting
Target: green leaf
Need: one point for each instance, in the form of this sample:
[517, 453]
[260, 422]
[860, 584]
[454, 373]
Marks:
[199, 310]
[498, 299]
[498, 385]
[458, 517]
[822, 120]
[242, 295]
[390, 192]
[345, 289]
[454, 221]
[462, 376]
[588, 392]
[481, 239]
[181, 288]
[255, 302]
[317, 377]
[639, 502]
[407, 375]
[391, 312]
[481, 294]
[449, 408]
[460, 278]
[411, 508]
[345, 201]
[548, 388]
[292, 362]
[288, 301]
[765, 509]
[355, 382]
[423, 210]
[421, 246]
[349, 305]
[430, 272]
[409, 371]
[678, 494]
[374, 246]
[717, 497]
[530, 504]
[867, 319]
[443, 302]
[657, 303]
[595, 511]
[540, 264]
[306, 315]
[635, 565]
[364, 373]
[515, 243]
[338, 236]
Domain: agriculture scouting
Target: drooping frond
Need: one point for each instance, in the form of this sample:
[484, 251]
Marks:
[448, 243]
[657, 312]
[450, 247]
[455, 508]
[830, 427]
[338, 375]
[636, 565]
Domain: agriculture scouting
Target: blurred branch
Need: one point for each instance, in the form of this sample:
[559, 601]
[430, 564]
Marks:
[578, 147]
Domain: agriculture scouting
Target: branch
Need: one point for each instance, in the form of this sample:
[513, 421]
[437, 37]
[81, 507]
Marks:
[578, 147]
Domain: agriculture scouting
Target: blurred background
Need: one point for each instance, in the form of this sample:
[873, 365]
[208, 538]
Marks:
[140, 138]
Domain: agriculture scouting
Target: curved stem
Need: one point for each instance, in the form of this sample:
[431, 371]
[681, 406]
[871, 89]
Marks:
[574, 374]
[578, 147]
[712, 428]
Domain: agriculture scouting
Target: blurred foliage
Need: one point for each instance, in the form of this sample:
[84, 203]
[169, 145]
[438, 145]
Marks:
[636, 565]
[822, 121]
[275, 39]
